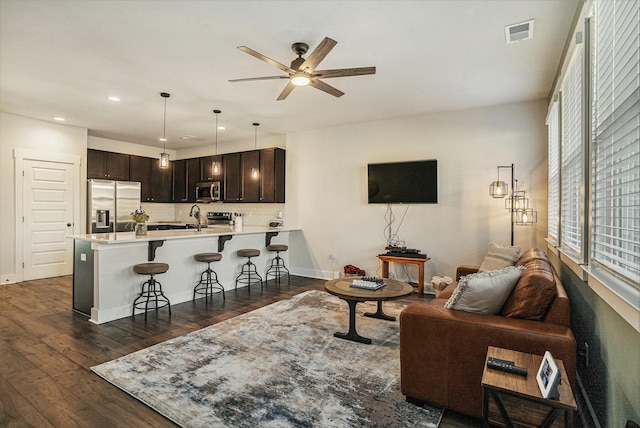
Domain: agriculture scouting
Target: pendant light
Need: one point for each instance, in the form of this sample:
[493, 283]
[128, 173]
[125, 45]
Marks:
[499, 189]
[164, 156]
[255, 172]
[216, 167]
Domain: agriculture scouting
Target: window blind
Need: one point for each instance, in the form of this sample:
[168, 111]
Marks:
[615, 173]
[553, 127]
[571, 157]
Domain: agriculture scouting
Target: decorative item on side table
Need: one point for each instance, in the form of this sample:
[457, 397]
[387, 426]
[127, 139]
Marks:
[140, 218]
[351, 270]
[439, 283]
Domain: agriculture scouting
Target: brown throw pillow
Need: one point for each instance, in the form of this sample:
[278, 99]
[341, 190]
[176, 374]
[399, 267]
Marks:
[530, 255]
[533, 293]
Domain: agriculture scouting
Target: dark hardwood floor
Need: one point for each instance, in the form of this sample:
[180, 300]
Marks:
[47, 349]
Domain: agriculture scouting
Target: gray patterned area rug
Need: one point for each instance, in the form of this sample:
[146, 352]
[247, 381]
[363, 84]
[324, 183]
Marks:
[278, 366]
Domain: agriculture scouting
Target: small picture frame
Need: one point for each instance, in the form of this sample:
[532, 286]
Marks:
[548, 377]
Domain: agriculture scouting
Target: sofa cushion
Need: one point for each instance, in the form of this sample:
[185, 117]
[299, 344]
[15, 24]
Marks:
[533, 293]
[484, 292]
[531, 254]
[499, 257]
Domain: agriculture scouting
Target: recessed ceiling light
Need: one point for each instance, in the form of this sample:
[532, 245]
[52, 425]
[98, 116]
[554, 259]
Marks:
[222, 128]
[60, 119]
[187, 137]
[113, 98]
[162, 139]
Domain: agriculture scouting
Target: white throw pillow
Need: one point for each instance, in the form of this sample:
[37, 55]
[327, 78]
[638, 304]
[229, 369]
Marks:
[499, 257]
[484, 292]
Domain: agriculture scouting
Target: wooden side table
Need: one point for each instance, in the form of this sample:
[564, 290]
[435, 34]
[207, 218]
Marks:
[512, 400]
[410, 260]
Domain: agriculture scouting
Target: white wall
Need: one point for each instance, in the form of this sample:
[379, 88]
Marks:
[17, 132]
[327, 187]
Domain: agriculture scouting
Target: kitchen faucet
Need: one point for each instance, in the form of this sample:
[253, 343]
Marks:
[196, 215]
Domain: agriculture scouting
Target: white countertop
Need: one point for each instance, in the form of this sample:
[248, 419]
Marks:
[154, 235]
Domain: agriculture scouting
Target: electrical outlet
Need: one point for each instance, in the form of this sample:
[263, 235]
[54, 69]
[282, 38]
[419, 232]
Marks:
[333, 258]
[83, 257]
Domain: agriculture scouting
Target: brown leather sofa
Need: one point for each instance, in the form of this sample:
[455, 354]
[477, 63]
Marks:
[443, 351]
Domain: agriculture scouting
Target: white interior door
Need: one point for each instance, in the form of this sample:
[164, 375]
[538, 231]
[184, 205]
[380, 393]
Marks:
[48, 201]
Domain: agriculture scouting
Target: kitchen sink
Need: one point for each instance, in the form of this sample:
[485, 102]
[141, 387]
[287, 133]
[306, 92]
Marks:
[195, 226]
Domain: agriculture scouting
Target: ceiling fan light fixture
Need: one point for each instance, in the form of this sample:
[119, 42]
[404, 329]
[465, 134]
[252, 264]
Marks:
[300, 79]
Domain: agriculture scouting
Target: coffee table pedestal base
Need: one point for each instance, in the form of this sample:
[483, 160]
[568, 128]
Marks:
[352, 334]
[379, 314]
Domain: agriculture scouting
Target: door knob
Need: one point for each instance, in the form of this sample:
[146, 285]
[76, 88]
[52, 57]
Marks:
[68, 224]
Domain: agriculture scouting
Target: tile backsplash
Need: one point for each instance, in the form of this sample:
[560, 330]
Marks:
[253, 214]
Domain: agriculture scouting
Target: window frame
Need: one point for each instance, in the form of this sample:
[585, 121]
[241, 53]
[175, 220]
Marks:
[621, 293]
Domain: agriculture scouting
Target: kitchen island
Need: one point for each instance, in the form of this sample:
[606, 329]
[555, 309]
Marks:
[105, 285]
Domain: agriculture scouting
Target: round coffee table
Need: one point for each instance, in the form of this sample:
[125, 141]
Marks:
[342, 288]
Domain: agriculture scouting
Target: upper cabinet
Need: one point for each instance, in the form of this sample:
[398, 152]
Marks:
[272, 175]
[155, 182]
[240, 183]
[186, 174]
[107, 165]
[178, 182]
[232, 178]
[206, 168]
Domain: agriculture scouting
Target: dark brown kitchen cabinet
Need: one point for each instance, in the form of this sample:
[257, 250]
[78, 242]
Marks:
[107, 165]
[272, 175]
[239, 185]
[232, 179]
[250, 184]
[186, 174]
[155, 182]
[206, 168]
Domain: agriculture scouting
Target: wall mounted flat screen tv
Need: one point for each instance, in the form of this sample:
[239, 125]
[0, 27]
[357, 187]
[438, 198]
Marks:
[414, 182]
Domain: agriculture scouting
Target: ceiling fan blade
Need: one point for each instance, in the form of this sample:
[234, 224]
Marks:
[344, 72]
[259, 78]
[318, 54]
[266, 59]
[319, 84]
[286, 91]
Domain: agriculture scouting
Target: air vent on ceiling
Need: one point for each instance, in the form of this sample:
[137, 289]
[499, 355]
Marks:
[519, 32]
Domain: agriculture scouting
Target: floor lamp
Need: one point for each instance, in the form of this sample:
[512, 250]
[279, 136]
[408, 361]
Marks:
[516, 202]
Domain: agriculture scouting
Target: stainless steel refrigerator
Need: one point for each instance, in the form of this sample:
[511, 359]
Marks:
[110, 204]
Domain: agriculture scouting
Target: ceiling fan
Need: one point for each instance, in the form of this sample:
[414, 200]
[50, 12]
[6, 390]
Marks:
[303, 71]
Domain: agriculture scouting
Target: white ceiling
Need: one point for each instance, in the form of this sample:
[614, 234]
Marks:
[65, 57]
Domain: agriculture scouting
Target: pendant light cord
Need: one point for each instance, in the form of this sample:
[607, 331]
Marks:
[255, 140]
[217, 112]
[164, 95]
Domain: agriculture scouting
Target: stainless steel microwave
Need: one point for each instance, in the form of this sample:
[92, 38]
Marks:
[208, 191]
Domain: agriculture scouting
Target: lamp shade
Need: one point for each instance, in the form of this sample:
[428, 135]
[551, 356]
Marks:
[499, 189]
[216, 168]
[164, 160]
[526, 217]
[516, 202]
